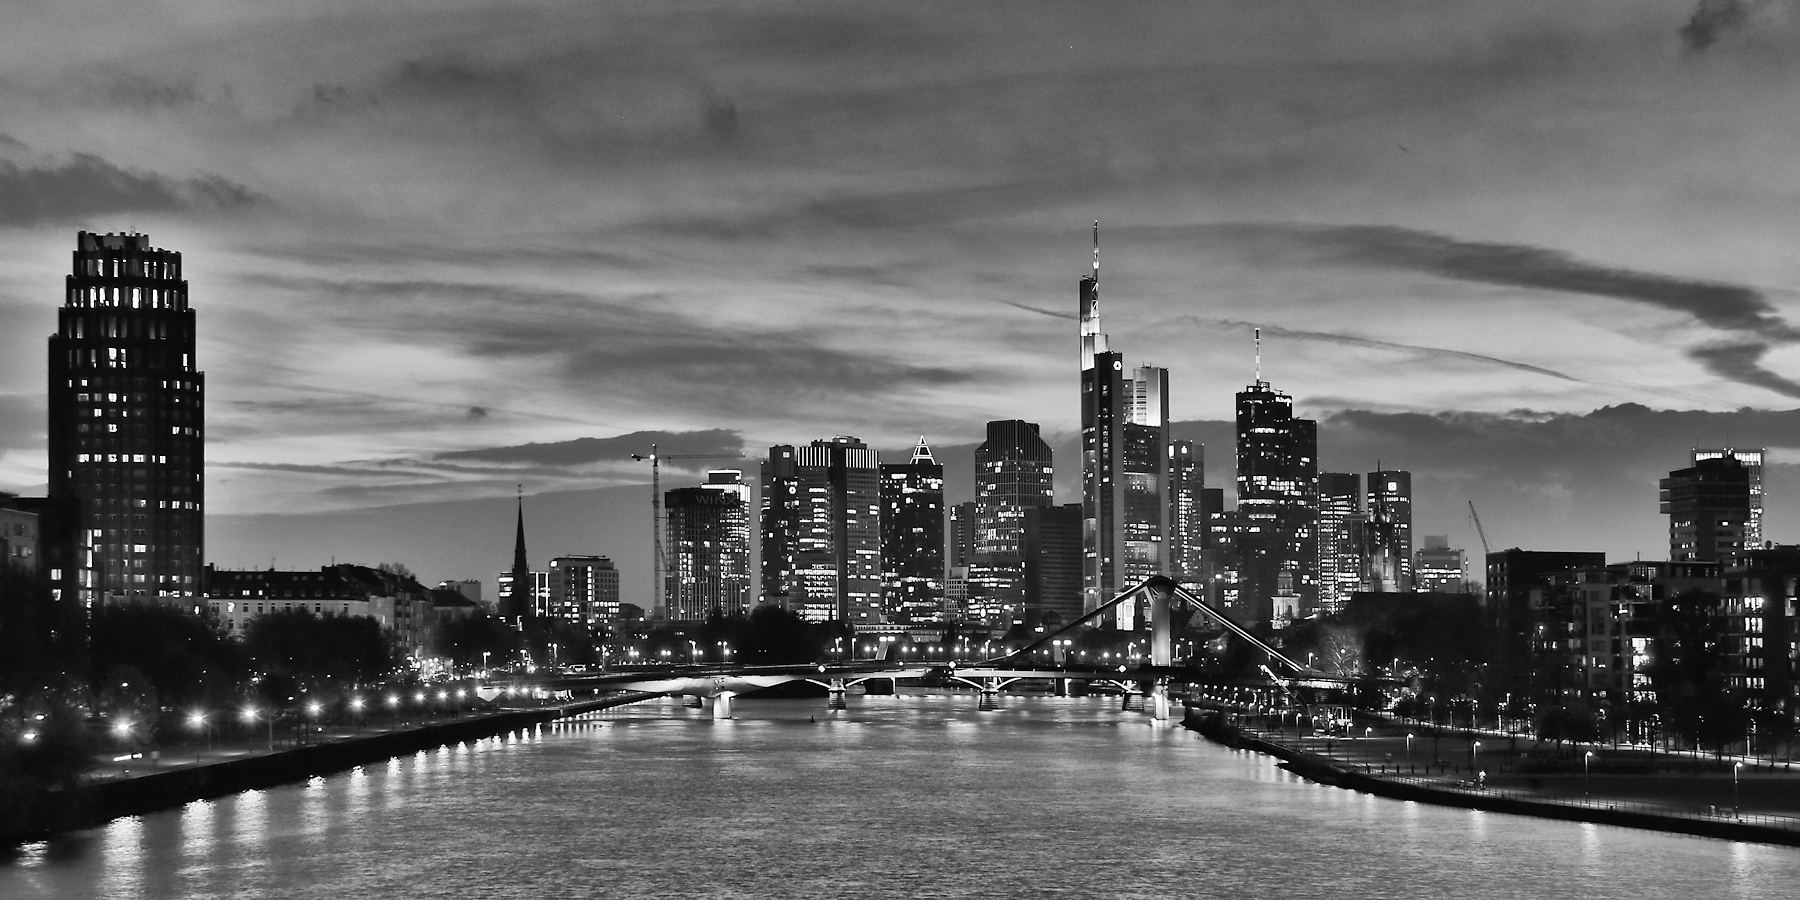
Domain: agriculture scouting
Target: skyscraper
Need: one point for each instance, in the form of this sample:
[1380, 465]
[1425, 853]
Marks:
[1187, 516]
[1013, 474]
[1278, 496]
[1125, 447]
[1708, 505]
[1439, 567]
[127, 425]
[1052, 554]
[1390, 543]
[709, 541]
[912, 538]
[1341, 558]
[836, 548]
[1753, 466]
[780, 528]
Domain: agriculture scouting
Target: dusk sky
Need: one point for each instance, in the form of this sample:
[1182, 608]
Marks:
[1532, 252]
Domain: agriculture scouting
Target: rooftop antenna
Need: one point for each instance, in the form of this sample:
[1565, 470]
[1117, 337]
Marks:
[1096, 253]
[1258, 355]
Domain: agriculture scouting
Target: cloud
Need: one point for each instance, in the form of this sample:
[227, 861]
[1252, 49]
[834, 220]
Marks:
[87, 185]
[1713, 19]
[22, 421]
[716, 443]
[1353, 341]
[346, 470]
[1742, 362]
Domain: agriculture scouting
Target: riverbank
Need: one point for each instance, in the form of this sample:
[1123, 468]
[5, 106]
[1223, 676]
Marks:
[1762, 806]
[134, 787]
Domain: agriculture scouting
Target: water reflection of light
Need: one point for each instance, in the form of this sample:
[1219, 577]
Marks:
[120, 844]
[251, 831]
[199, 829]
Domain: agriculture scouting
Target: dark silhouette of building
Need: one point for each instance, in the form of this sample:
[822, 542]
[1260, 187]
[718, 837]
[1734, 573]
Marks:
[1013, 473]
[1052, 559]
[961, 533]
[516, 594]
[127, 426]
[1276, 527]
[1753, 467]
[780, 528]
[912, 538]
[1708, 505]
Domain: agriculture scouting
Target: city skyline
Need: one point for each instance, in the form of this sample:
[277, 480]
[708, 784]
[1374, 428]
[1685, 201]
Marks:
[1489, 247]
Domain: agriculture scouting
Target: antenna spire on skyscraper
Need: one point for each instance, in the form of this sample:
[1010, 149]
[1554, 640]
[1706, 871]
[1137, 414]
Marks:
[1258, 355]
[1096, 252]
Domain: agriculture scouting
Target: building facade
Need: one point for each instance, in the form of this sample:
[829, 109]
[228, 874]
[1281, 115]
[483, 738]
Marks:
[1708, 505]
[127, 425]
[912, 538]
[1276, 527]
[1187, 513]
[709, 549]
[1439, 567]
[1389, 531]
[836, 546]
[1341, 542]
[581, 590]
[1753, 469]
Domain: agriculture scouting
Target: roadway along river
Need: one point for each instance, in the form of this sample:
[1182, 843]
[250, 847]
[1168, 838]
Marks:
[916, 796]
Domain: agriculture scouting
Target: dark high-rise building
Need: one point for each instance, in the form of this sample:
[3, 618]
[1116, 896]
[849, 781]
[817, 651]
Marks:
[1708, 505]
[709, 550]
[1341, 557]
[127, 425]
[962, 532]
[1753, 466]
[1511, 577]
[1125, 448]
[1052, 555]
[1276, 527]
[837, 555]
[1187, 512]
[912, 538]
[1390, 543]
[1013, 473]
[780, 528]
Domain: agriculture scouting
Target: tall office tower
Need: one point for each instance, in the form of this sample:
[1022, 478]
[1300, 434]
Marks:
[1390, 530]
[912, 538]
[1439, 567]
[583, 590]
[1125, 448]
[1708, 505]
[1340, 539]
[1052, 554]
[515, 598]
[127, 426]
[961, 533]
[837, 560]
[1278, 497]
[780, 528]
[709, 551]
[1753, 466]
[1013, 473]
[1187, 513]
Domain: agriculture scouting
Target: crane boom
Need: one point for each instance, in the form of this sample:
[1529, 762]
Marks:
[1485, 549]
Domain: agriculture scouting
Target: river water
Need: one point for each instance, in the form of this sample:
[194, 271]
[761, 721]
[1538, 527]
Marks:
[917, 796]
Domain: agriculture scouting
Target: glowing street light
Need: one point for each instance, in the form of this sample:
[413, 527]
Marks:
[1586, 767]
[1409, 740]
[1735, 769]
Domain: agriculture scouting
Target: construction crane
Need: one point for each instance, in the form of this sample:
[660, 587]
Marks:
[1485, 549]
[656, 529]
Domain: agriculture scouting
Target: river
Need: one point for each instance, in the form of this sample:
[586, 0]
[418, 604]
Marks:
[917, 796]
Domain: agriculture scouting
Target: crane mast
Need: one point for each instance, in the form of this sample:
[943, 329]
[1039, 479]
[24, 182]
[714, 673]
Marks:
[1485, 549]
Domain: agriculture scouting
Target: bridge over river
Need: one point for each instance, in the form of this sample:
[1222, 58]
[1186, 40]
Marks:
[1148, 685]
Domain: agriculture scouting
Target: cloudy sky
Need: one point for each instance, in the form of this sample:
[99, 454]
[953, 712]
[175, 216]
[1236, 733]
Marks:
[1530, 251]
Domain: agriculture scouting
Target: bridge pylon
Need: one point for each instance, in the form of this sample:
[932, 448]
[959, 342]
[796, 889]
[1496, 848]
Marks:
[722, 704]
[838, 691]
[990, 695]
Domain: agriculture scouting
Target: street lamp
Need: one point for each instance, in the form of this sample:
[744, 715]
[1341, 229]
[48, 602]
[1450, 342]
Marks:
[1586, 769]
[1409, 740]
[484, 663]
[1735, 768]
[197, 720]
[1474, 755]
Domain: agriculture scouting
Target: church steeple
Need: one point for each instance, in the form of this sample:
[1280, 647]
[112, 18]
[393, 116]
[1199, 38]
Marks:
[519, 559]
[516, 585]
